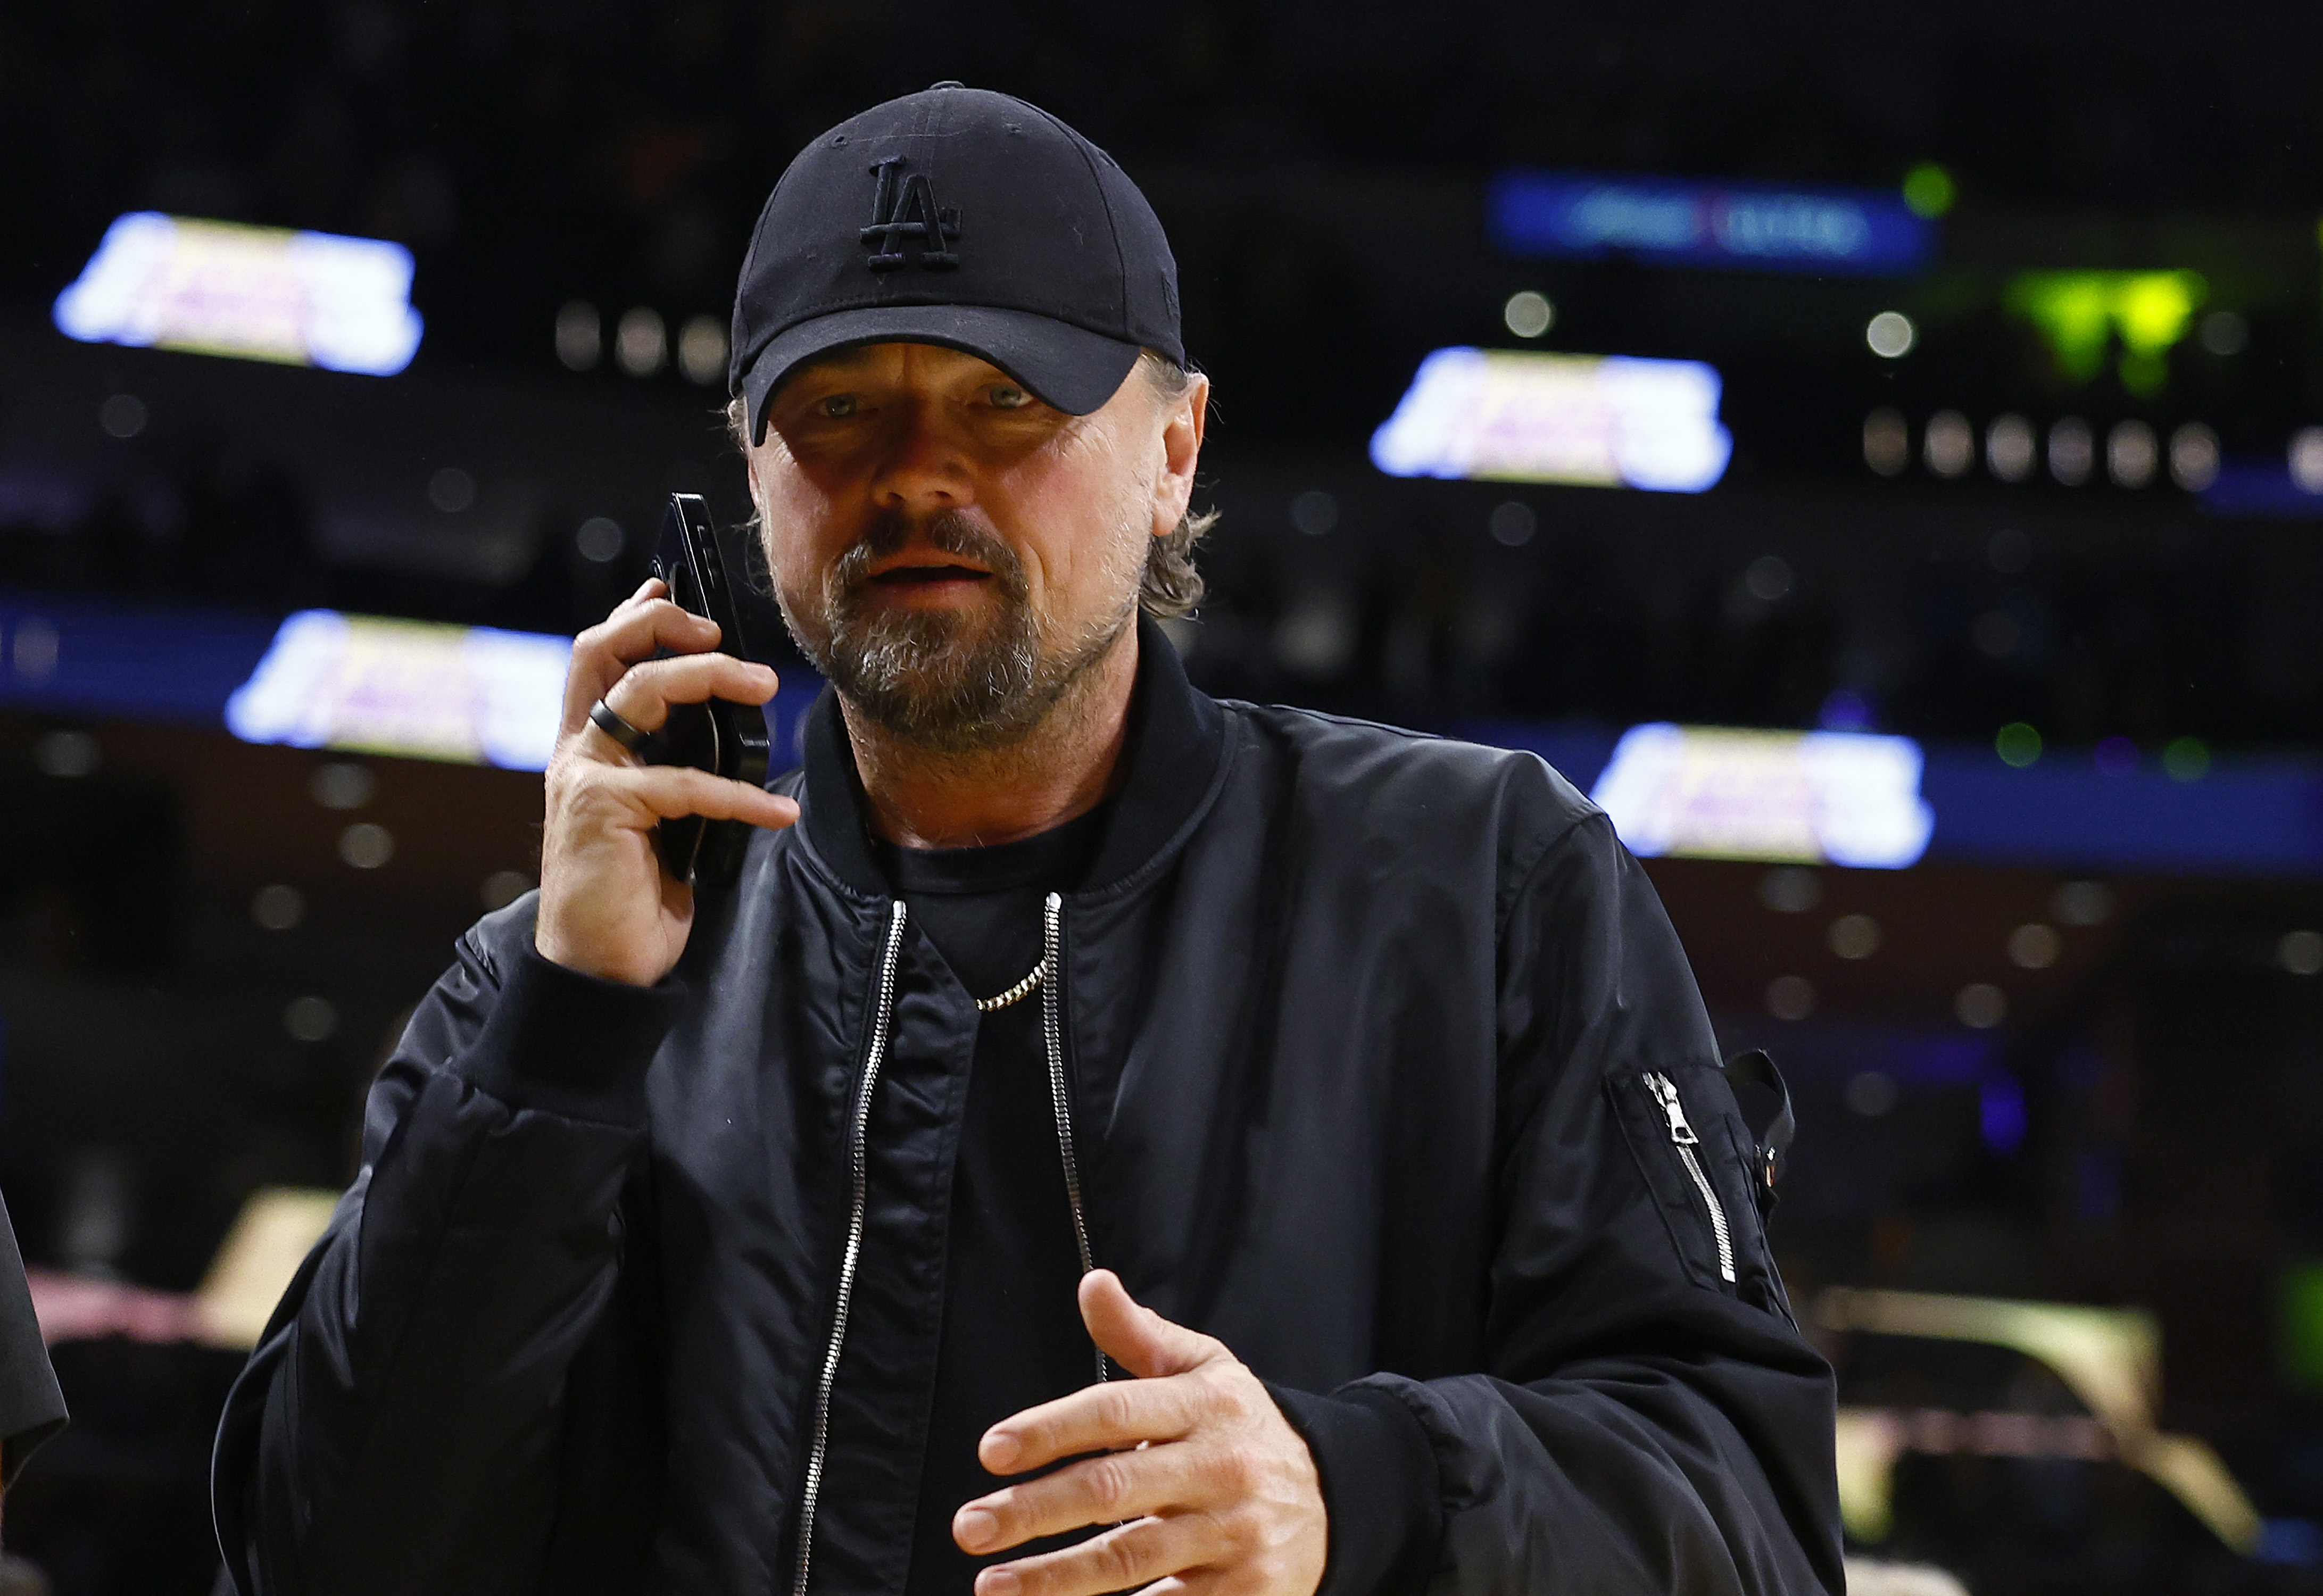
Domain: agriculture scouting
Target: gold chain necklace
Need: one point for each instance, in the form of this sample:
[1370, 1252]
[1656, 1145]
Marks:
[1018, 993]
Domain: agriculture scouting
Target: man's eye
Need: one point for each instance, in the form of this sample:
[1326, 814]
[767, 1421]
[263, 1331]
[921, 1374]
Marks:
[1010, 398]
[836, 405]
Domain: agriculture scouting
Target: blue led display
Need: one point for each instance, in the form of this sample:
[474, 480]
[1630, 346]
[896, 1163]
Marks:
[1853, 232]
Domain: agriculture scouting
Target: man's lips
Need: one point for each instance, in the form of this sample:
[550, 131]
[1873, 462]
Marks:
[927, 575]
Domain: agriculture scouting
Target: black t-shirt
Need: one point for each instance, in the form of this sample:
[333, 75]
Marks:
[1012, 1335]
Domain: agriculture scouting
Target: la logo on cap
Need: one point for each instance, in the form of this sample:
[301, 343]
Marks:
[905, 207]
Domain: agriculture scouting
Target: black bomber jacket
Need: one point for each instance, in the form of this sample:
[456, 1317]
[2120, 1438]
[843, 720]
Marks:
[1375, 1056]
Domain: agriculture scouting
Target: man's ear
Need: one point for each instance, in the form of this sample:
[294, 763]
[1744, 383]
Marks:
[1181, 452]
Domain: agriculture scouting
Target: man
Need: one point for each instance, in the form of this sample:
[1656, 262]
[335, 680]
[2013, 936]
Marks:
[1110, 1137]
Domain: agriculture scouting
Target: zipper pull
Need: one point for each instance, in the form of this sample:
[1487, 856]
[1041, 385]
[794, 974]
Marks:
[1665, 1091]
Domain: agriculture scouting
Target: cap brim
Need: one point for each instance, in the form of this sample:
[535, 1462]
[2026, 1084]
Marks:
[1071, 368]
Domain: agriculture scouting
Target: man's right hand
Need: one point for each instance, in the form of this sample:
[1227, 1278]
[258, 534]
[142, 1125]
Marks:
[606, 906]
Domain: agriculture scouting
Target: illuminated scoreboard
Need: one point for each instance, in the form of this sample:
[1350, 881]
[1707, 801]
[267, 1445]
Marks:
[1798, 797]
[1517, 416]
[253, 293]
[473, 696]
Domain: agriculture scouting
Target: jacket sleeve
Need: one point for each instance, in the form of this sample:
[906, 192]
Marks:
[396, 1428]
[1648, 1419]
[31, 1405]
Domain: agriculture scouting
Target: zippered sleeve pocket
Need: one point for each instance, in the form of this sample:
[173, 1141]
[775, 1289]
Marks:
[1687, 1146]
[1675, 1124]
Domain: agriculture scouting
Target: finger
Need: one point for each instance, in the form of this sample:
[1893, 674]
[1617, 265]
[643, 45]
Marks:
[637, 630]
[1109, 1489]
[651, 588]
[1178, 1585]
[1121, 1559]
[657, 792]
[1104, 1418]
[644, 693]
[647, 623]
[1134, 1336]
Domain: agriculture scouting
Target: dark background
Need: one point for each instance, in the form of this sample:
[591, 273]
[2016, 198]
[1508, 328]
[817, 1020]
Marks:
[1322, 171]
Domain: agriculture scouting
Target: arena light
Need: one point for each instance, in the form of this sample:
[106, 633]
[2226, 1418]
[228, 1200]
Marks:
[1513, 416]
[1891, 334]
[1929, 191]
[473, 696]
[254, 293]
[2080, 314]
[1815, 797]
[2108, 1358]
[1857, 231]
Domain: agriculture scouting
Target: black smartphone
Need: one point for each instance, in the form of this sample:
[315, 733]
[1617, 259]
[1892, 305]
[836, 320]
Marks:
[723, 738]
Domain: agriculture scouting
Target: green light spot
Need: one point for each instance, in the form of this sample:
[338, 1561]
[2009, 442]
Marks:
[2144, 371]
[2081, 313]
[1929, 190]
[2018, 744]
[2302, 1326]
[2187, 759]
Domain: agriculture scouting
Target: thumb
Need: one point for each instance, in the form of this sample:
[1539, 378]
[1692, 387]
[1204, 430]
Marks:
[1134, 1336]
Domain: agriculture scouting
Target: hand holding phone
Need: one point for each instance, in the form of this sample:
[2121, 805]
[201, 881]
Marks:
[633, 828]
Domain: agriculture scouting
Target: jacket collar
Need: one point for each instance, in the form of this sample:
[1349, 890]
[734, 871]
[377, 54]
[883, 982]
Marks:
[1176, 736]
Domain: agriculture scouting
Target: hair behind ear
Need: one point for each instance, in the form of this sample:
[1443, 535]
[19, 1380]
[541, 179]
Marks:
[1173, 585]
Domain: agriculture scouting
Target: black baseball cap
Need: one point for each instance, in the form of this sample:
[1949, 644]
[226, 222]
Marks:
[962, 217]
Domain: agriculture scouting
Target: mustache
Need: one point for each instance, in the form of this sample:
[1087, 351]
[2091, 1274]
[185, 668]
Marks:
[948, 532]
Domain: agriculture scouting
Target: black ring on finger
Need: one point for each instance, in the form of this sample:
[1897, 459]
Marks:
[606, 721]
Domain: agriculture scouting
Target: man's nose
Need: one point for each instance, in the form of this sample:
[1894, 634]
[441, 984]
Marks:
[924, 466]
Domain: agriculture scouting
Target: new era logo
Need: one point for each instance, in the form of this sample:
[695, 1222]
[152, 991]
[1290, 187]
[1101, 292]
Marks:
[903, 208]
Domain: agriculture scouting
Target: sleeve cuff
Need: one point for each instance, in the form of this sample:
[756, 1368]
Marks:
[1378, 1469]
[569, 1043]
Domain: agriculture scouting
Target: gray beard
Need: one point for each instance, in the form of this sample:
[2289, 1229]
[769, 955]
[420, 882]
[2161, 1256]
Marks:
[939, 680]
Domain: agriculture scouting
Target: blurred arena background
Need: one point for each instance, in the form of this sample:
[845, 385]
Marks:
[1879, 452]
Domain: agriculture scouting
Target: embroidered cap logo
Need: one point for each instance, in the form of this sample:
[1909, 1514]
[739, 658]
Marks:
[905, 207]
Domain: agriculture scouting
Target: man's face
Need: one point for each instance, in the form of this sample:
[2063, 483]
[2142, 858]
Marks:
[952, 551]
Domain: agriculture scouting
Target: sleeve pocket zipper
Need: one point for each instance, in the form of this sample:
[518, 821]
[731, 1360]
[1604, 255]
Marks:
[1681, 1136]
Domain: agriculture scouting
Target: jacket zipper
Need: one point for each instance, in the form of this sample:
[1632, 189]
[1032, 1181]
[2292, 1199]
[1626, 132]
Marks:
[1682, 1137]
[882, 1016]
[1052, 1036]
